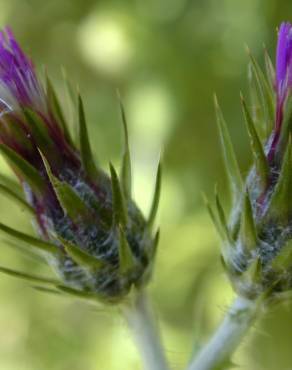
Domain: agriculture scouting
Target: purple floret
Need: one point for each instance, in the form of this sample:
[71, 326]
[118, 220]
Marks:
[283, 81]
[19, 84]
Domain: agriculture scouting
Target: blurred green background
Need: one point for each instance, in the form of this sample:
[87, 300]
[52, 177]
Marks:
[167, 57]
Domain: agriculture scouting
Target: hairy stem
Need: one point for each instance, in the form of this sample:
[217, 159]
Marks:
[218, 351]
[144, 328]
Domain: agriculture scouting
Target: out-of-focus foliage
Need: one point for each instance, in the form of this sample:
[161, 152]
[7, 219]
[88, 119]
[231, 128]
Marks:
[167, 57]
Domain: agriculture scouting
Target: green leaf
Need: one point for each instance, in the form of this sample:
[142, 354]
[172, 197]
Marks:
[25, 169]
[126, 258]
[80, 256]
[230, 161]
[126, 171]
[26, 276]
[120, 214]
[248, 234]
[34, 242]
[71, 203]
[17, 199]
[56, 109]
[260, 159]
[281, 201]
[265, 91]
[156, 197]
[85, 149]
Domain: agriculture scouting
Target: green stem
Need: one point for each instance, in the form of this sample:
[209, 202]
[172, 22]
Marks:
[144, 328]
[218, 351]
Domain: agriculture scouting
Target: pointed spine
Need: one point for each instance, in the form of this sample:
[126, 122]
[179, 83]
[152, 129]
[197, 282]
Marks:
[213, 218]
[248, 234]
[126, 258]
[34, 242]
[156, 197]
[17, 199]
[281, 202]
[260, 159]
[120, 214]
[265, 91]
[126, 170]
[56, 109]
[230, 161]
[222, 219]
[270, 70]
[28, 277]
[23, 168]
[85, 149]
[71, 203]
[81, 257]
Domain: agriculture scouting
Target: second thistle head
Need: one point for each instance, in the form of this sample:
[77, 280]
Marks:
[90, 229]
[257, 239]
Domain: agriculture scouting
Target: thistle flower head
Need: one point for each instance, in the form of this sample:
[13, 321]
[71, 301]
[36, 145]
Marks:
[90, 229]
[257, 240]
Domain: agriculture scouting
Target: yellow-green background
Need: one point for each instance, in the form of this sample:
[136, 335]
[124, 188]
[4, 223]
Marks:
[167, 57]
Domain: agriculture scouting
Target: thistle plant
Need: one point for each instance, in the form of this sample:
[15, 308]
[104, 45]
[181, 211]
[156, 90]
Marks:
[256, 248]
[89, 228]
[98, 242]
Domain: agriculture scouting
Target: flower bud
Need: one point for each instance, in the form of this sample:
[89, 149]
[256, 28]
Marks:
[257, 240]
[90, 229]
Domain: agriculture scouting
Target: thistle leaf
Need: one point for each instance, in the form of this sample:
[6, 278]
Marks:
[69, 200]
[80, 256]
[265, 91]
[156, 197]
[231, 164]
[260, 159]
[34, 242]
[126, 171]
[248, 233]
[120, 214]
[28, 277]
[25, 169]
[85, 150]
[56, 109]
[126, 257]
[16, 198]
[281, 201]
